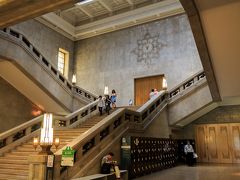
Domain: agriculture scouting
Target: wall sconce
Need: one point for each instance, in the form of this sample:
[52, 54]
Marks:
[164, 84]
[46, 137]
[74, 79]
[106, 90]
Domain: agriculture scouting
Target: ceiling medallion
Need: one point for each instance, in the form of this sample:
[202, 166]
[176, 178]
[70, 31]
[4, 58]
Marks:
[148, 48]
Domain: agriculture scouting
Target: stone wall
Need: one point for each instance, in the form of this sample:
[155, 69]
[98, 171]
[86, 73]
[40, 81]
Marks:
[47, 41]
[115, 59]
[15, 108]
[159, 127]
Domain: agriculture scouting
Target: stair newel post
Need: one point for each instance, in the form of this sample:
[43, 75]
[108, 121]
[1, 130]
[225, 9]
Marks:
[57, 167]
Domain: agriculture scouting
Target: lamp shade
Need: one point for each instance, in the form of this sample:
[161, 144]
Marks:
[74, 79]
[164, 83]
[106, 90]
[47, 130]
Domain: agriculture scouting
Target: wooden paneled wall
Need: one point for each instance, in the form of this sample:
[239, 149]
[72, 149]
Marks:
[218, 143]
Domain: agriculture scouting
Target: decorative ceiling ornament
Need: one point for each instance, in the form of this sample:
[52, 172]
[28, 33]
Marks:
[148, 48]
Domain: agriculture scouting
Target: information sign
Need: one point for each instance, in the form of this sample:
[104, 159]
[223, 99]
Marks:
[67, 157]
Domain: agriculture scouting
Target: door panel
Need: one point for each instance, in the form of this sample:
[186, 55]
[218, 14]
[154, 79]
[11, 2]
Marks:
[201, 146]
[224, 143]
[235, 142]
[212, 143]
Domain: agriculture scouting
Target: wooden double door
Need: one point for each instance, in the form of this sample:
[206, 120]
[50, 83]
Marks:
[143, 87]
[218, 143]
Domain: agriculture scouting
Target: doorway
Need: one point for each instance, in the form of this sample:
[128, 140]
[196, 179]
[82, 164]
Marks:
[143, 86]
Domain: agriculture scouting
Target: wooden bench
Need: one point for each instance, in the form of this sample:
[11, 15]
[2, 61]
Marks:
[111, 176]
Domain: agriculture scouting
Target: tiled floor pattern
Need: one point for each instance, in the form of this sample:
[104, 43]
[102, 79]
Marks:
[199, 172]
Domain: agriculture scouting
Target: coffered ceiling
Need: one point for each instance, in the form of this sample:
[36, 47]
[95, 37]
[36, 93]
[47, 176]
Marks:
[90, 18]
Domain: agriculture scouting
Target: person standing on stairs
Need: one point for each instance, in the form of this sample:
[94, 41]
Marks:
[113, 98]
[151, 94]
[107, 104]
[100, 104]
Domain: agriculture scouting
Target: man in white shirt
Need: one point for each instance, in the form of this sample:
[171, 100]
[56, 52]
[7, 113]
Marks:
[188, 149]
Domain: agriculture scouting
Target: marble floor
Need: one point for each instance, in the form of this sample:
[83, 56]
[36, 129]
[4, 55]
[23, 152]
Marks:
[199, 172]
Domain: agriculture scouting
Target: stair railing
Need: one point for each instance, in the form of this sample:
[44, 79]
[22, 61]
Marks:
[15, 136]
[87, 144]
[78, 117]
[22, 41]
[185, 85]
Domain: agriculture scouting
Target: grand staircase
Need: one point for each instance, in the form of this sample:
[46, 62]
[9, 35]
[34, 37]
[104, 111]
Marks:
[90, 135]
[14, 164]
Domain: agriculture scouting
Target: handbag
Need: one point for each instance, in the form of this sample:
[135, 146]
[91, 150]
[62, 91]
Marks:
[106, 167]
[195, 155]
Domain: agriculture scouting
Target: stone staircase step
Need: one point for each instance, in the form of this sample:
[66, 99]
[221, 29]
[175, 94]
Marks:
[15, 166]
[14, 172]
[12, 156]
[13, 161]
[12, 177]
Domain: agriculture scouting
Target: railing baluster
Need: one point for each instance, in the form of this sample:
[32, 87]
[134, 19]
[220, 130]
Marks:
[9, 140]
[28, 131]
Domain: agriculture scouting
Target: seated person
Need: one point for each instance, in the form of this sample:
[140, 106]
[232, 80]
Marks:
[108, 165]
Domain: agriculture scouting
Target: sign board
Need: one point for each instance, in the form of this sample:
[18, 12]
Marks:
[126, 152]
[50, 160]
[67, 157]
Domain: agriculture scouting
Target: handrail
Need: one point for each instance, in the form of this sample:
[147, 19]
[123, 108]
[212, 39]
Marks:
[21, 40]
[194, 79]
